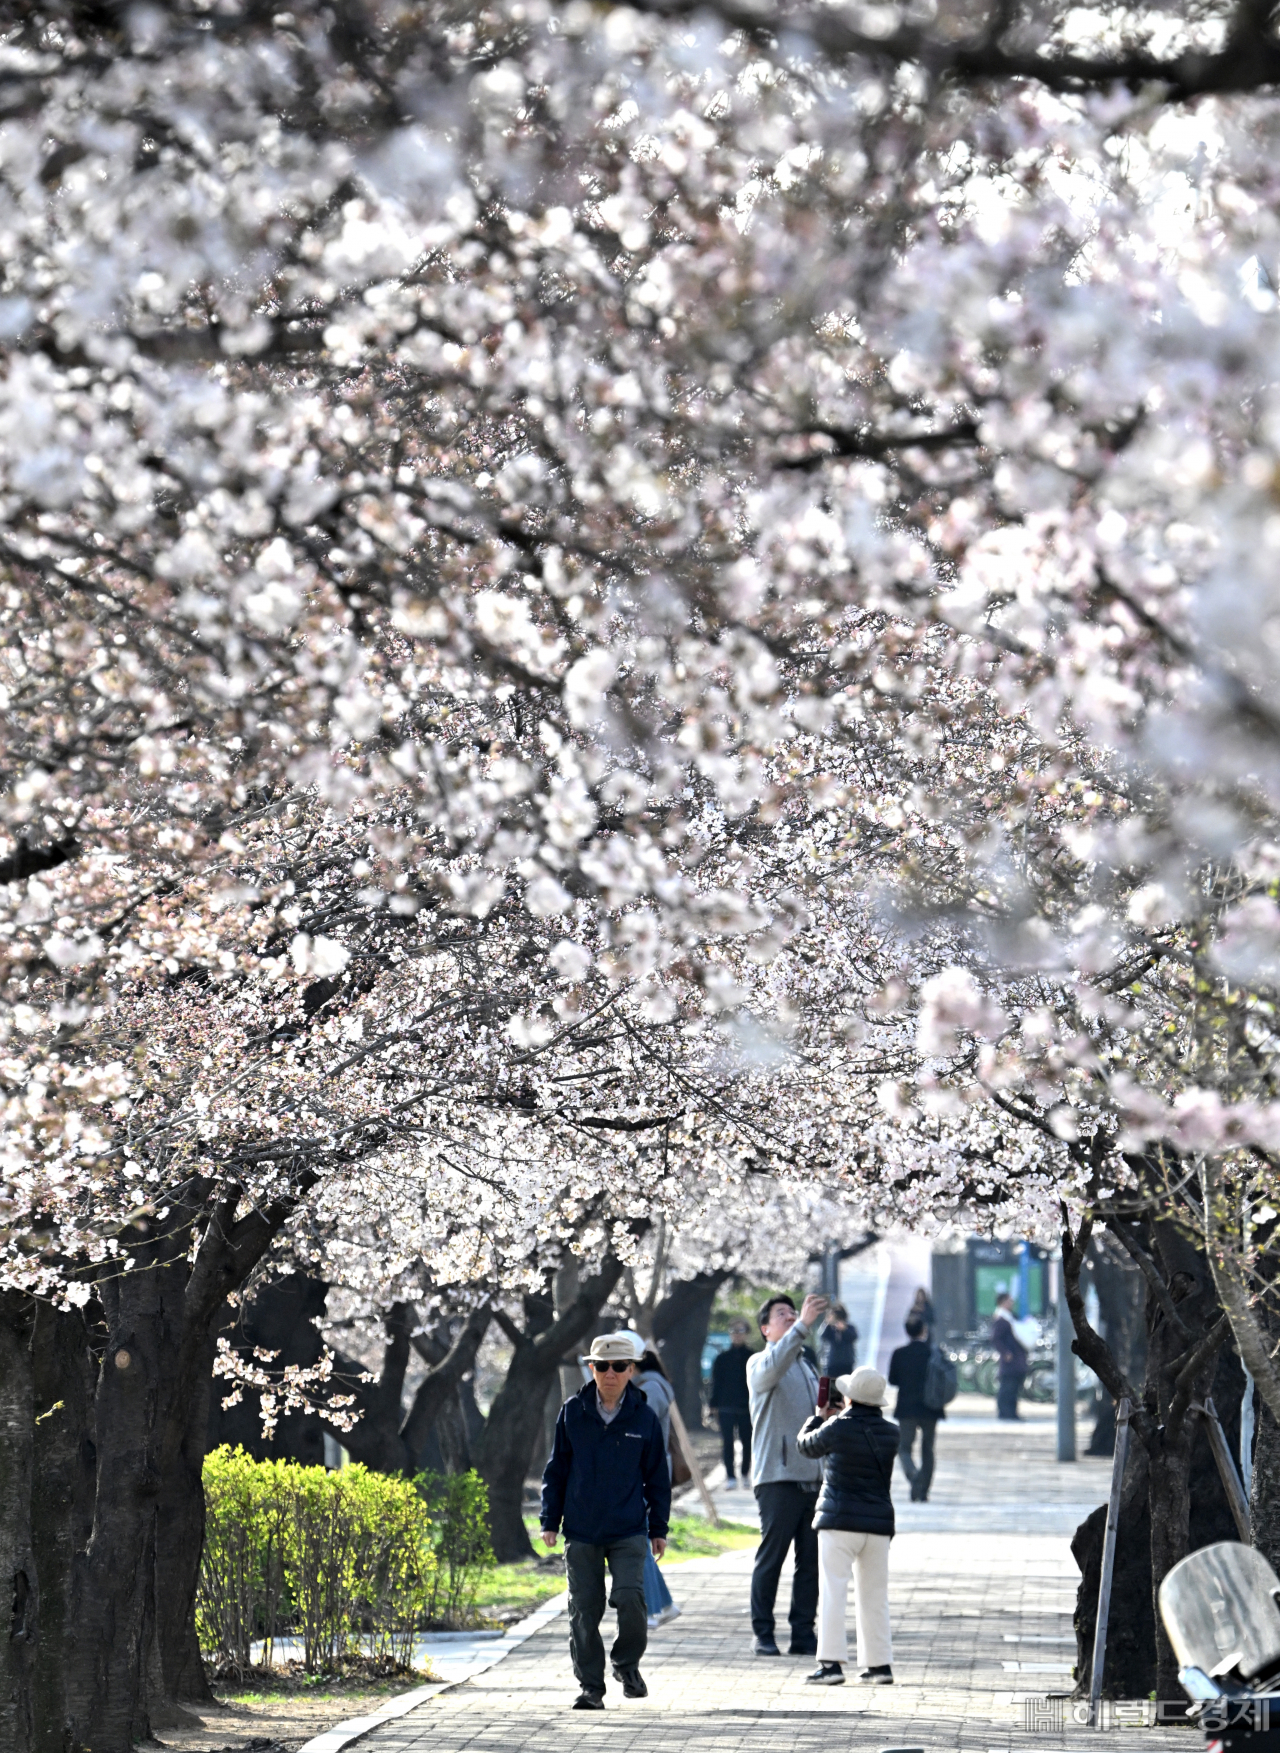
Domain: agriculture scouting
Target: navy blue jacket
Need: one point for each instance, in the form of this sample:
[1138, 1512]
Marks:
[607, 1481]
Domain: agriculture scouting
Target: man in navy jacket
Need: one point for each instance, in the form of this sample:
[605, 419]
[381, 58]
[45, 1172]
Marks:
[608, 1483]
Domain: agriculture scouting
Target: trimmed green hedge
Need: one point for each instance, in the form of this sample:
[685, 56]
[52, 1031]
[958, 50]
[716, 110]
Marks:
[344, 1560]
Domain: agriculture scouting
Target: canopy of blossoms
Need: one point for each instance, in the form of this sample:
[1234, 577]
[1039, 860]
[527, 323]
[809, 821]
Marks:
[755, 531]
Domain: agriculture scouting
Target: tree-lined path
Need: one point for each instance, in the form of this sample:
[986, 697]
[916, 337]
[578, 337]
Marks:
[982, 1579]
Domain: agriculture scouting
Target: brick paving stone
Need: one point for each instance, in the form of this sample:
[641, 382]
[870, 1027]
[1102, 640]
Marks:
[982, 1588]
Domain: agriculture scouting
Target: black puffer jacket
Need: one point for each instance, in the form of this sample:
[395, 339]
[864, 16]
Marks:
[856, 1449]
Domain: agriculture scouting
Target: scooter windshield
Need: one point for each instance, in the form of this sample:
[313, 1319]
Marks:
[1219, 1608]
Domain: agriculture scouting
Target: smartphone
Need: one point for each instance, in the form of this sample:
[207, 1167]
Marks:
[824, 1391]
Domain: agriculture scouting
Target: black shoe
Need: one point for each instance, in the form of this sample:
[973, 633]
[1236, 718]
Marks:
[826, 1674]
[765, 1646]
[588, 1701]
[631, 1681]
[803, 1646]
[877, 1676]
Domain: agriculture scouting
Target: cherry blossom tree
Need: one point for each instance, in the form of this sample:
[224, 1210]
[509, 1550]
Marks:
[595, 596]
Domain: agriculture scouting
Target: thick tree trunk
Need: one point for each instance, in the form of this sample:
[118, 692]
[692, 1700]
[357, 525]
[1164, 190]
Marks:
[18, 1575]
[1169, 1501]
[680, 1324]
[506, 1445]
[64, 1369]
[1131, 1635]
[180, 1533]
[1264, 1501]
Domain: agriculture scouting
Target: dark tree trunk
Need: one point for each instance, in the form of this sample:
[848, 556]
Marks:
[18, 1574]
[506, 1445]
[1185, 1333]
[680, 1324]
[64, 1368]
[1264, 1497]
[1131, 1633]
[437, 1405]
[280, 1317]
[1121, 1303]
[102, 1442]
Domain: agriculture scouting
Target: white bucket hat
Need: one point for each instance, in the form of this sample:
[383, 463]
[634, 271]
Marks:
[612, 1348]
[865, 1387]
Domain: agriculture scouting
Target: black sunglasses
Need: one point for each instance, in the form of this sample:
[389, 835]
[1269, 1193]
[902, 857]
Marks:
[612, 1363]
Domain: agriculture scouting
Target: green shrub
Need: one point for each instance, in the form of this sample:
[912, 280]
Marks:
[459, 1508]
[341, 1560]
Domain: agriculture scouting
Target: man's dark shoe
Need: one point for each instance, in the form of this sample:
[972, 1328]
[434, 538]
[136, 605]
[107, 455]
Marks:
[588, 1701]
[765, 1646]
[826, 1674]
[632, 1682]
[803, 1646]
[877, 1676]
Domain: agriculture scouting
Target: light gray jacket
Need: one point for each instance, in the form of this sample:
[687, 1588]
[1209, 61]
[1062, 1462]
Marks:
[783, 1386]
[658, 1391]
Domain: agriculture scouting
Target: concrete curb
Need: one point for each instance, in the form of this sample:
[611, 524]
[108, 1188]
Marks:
[343, 1734]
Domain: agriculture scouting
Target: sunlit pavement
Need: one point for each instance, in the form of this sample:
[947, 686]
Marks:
[982, 1592]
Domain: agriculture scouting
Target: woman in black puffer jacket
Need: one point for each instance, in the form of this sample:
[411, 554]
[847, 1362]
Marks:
[856, 1444]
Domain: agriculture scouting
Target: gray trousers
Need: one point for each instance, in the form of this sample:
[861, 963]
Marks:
[585, 1566]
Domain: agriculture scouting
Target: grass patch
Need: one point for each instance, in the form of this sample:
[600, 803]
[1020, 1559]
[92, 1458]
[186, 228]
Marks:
[694, 1537]
[509, 1591]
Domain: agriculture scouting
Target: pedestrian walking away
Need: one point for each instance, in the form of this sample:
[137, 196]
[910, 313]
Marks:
[922, 1306]
[839, 1345]
[655, 1384]
[784, 1392]
[731, 1402]
[909, 1374]
[856, 1444]
[1012, 1354]
[608, 1485]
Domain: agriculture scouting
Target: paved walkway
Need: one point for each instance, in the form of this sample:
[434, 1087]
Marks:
[982, 1592]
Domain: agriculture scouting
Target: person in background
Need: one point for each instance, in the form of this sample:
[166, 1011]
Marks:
[1012, 1354]
[731, 1402]
[839, 1346]
[784, 1392]
[908, 1368]
[924, 1308]
[655, 1384]
[856, 1444]
[608, 1482]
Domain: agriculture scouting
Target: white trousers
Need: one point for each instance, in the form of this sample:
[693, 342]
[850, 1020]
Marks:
[839, 1554]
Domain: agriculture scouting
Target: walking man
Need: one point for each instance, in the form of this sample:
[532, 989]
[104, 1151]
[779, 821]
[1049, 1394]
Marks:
[908, 1372]
[784, 1394]
[608, 1482]
[1013, 1358]
[731, 1402]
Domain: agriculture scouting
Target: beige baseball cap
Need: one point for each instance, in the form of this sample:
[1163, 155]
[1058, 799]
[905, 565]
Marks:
[612, 1348]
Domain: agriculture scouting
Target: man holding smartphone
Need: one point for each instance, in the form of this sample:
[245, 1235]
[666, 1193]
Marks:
[784, 1393]
[609, 1483]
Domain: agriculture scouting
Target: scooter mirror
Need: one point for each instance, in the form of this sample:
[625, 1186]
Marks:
[1219, 1608]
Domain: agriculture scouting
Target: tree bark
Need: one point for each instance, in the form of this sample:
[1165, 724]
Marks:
[503, 1453]
[64, 1348]
[680, 1324]
[437, 1403]
[1264, 1497]
[18, 1574]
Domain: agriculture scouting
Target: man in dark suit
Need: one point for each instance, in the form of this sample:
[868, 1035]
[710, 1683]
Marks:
[908, 1371]
[1013, 1358]
[731, 1400]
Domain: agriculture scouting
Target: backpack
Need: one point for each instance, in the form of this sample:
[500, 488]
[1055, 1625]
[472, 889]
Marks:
[940, 1380]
